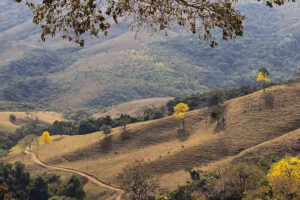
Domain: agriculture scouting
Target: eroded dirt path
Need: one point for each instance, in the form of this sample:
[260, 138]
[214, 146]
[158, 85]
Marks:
[98, 182]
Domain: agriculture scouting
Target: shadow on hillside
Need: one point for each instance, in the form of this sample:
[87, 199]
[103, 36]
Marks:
[183, 135]
[106, 144]
[57, 139]
[125, 135]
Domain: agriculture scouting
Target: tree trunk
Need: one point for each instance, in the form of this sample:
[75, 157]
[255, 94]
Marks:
[37, 148]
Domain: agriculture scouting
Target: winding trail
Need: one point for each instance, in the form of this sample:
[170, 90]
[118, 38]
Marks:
[98, 182]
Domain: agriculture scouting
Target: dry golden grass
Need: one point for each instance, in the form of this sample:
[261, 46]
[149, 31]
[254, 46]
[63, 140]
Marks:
[287, 144]
[45, 116]
[251, 129]
[136, 107]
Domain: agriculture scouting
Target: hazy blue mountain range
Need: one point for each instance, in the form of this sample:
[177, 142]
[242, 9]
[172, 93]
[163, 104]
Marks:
[119, 68]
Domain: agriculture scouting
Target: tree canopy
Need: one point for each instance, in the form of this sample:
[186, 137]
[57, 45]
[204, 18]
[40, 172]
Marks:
[284, 178]
[46, 138]
[180, 109]
[72, 18]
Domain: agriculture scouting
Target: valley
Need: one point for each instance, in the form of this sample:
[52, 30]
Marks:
[252, 131]
[152, 112]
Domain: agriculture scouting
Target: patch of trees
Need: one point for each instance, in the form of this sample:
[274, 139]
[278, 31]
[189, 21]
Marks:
[90, 124]
[237, 181]
[85, 125]
[16, 184]
[20, 106]
[8, 140]
[217, 97]
[31, 90]
[212, 98]
[25, 79]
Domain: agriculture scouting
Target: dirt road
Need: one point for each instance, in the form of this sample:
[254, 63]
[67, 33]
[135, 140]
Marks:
[90, 178]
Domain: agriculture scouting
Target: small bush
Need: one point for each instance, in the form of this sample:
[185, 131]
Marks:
[106, 129]
[12, 118]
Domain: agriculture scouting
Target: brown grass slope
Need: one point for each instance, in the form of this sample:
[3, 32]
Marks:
[135, 107]
[44, 116]
[248, 124]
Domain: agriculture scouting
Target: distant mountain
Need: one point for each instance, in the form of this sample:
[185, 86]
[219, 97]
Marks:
[119, 68]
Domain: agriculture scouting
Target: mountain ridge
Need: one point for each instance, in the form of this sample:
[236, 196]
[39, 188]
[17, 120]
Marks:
[119, 68]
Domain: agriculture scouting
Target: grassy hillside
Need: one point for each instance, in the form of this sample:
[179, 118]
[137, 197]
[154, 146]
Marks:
[135, 107]
[120, 68]
[21, 117]
[251, 130]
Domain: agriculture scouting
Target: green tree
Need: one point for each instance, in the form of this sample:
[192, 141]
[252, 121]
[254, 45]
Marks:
[264, 71]
[124, 120]
[39, 189]
[58, 127]
[16, 179]
[12, 118]
[74, 188]
[216, 98]
[106, 129]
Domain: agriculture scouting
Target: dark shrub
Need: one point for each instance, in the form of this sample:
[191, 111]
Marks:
[12, 118]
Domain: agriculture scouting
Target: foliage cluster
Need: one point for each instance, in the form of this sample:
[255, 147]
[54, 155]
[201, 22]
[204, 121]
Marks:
[179, 111]
[30, 83]
[243, 181]
[16, 184]
[137, 182]
[45, 138]
[212, 98]
[20, 106]
[237, 181]
[8, 140]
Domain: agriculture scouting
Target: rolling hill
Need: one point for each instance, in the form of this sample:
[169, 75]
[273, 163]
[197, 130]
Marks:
[252, 131]
[45, 116]
[135, 107]
[119, 68]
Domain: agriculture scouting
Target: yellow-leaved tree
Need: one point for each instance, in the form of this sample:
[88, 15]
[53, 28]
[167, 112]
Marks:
[263, 77]
[284, 178]
[179, 111]
[46, 138]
